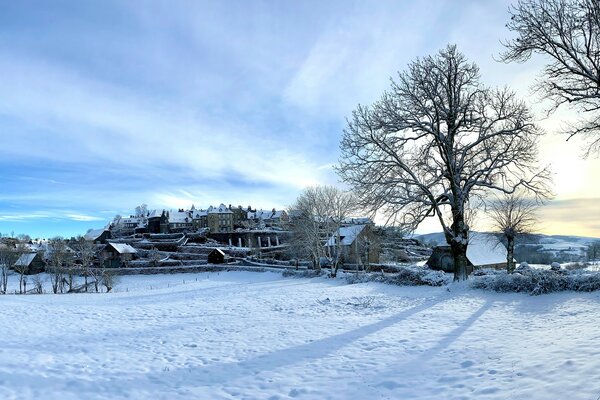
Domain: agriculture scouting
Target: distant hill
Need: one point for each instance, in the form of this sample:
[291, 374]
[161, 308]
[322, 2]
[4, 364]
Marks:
[535, 248]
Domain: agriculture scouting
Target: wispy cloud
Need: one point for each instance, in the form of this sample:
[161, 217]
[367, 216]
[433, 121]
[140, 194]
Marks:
[202, 102]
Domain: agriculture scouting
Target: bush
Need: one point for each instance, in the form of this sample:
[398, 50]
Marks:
[536, 282]
[303, 273]
[404, 276]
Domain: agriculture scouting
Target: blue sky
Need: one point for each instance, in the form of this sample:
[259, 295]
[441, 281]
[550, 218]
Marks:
[107, 105]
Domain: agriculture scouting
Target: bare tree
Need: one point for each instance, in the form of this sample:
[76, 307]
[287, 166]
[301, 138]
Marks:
[141, 210]
[154, 256]
[322, 210]
[593, 251]
[85, 252]
[21, 267]
[109, 279]
[8, 258]
[568, 33]
[38, 284]
[513, 215]
[435, 144]
[59, 261]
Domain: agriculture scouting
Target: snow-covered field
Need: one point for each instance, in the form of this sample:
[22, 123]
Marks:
[260, 336]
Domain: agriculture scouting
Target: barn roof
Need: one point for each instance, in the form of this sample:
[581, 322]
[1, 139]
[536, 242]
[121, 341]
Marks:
[485, 249]
[94, 234]
[348, 235]
[219, 251]
[123, 248]
[25, 259]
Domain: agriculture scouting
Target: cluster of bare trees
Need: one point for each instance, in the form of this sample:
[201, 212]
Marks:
[322, 210]
[8, 259]
[64, 263]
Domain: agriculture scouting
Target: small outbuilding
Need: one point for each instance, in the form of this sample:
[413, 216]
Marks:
[217, 256]
[98, 236]
[117, 255]
[483, 251]
[30, 263]
[357, 243]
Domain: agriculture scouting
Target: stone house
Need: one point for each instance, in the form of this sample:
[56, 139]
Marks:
[199, 219]
[239, 216]
[220, 219]
[158, 221]
[269, 218]
[180, 221]
[117, 255]
[357, 243]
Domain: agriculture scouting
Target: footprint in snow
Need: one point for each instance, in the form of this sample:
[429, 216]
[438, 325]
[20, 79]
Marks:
[466, 364]
[296, 392]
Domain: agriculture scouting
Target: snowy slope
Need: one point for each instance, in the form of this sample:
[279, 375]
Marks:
[560, 247]
[260, 336]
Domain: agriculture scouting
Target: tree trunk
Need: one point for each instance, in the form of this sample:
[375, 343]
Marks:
[510, 247]
[458, 246]
[459, 254]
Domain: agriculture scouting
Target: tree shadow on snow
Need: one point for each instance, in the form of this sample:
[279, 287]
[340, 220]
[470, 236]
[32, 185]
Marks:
[223, 372]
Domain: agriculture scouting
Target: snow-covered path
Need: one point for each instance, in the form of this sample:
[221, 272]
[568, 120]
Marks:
[258, 335]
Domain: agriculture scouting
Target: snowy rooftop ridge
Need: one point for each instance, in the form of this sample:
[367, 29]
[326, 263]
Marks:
[94, 234]
[485, 249]
[347, 234]
[25, 259]
[123, 248]
[179, 217]
[222, 209]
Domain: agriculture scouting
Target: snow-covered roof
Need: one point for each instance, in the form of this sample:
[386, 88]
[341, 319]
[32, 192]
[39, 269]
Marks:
[357, 220]
[123, 248]
[199, 213]
[179, 217]
[218, 251]
[485, 249]
[222, 209]
[155, 213]
[347, 234]
[25, 259]
[94, 234]
[265, 214]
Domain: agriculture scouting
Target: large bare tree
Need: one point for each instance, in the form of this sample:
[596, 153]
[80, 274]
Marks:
[435, 142]
[513, 215]
[567, 32]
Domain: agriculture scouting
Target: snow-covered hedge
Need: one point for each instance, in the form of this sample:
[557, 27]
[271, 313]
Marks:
[404, 276]
[303, 273]
[536, 281]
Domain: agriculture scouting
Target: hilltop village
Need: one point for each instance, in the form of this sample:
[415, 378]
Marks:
[158, 241]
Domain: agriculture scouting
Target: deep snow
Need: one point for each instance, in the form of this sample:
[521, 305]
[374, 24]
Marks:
[258, 335]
